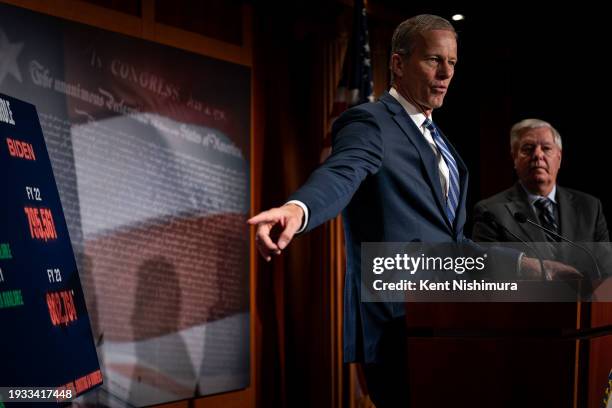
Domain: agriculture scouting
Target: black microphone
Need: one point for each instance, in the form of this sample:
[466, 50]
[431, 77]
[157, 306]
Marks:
[522, 218]
[489, 218]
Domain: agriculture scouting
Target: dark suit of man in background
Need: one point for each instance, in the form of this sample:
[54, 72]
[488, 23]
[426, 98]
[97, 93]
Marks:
[536, 148]
[396, 178]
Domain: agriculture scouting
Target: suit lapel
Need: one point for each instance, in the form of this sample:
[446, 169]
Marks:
[518, 202]
[568, 225]
[401, 117]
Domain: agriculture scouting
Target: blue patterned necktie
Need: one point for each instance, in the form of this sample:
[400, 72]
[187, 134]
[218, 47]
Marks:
[452, 200]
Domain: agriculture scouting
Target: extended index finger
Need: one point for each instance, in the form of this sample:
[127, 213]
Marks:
[265, 216]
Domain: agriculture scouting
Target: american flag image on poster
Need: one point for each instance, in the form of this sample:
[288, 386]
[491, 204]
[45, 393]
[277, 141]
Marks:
[150, 146]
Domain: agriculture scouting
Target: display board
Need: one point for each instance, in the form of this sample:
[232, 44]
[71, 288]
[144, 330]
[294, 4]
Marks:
[46, 341]
[150, 147]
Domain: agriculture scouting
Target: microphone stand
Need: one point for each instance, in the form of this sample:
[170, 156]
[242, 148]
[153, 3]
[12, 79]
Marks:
[522, 218]
[489, 218]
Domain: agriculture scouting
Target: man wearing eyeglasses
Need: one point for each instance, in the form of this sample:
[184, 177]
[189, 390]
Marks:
[536, 149]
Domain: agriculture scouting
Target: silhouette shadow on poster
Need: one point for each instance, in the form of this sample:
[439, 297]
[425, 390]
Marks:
[163, 368]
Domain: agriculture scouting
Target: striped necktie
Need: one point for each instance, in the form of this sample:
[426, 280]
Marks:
[452, 200]
[547, 216]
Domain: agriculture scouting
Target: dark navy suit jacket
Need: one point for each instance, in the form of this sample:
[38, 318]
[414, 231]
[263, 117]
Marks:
[383, 176]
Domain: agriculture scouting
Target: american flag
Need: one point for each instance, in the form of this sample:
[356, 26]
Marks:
[357, 75]
[355, 85]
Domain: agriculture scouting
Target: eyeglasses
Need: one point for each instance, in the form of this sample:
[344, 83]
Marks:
[529, 149]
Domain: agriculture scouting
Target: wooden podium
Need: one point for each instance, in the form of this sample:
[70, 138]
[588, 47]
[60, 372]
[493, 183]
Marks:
[517, 355]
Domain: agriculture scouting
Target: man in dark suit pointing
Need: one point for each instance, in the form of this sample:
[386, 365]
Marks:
[396, 178]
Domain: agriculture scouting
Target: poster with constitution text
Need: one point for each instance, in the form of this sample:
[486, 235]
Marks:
[150, 148]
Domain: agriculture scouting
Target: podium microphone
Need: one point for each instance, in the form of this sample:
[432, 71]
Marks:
[489, 218]
[522, 218]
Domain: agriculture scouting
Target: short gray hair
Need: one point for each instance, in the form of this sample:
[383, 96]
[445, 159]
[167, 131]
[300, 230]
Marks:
[526, 124]
[405, 35]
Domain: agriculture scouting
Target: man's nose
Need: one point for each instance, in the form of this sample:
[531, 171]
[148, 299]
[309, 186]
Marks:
[445, 70]
[538, 153]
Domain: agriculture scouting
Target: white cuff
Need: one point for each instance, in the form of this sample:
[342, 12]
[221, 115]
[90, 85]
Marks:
[305, 209]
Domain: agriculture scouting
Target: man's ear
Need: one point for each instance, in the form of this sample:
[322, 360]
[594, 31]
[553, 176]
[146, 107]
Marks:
[397, 65]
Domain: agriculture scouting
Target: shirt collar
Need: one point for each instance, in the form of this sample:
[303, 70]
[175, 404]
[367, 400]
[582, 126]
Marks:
[532, 198]
[416, 115]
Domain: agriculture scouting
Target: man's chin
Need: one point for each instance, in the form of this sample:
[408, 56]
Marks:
[539, 173]
[436, 103]
[538, 181]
